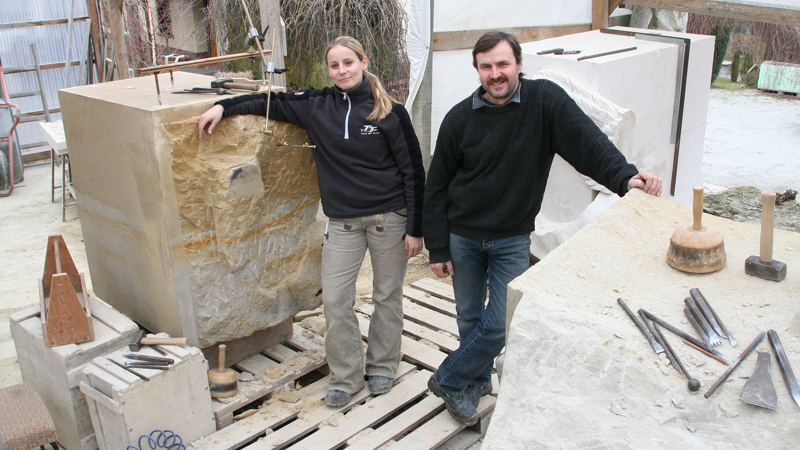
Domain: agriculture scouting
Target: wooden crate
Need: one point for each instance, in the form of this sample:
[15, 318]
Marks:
[124, 407]
[408, 417]
[54, 372]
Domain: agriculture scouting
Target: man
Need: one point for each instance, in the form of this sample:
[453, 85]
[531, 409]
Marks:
[484, 189]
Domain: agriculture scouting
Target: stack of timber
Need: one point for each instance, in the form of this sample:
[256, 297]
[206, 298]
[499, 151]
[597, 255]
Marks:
[285, 415]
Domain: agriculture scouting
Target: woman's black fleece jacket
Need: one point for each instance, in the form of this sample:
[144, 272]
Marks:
[364, 167]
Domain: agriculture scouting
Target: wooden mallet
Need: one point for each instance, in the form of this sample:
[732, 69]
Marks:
[221, 381]
[696, 248]
[764, 266]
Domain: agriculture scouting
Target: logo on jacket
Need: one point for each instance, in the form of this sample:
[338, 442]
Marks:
[368, 130]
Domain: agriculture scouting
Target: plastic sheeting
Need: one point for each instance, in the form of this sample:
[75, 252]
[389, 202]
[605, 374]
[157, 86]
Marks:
[458, 15]
[417, 45]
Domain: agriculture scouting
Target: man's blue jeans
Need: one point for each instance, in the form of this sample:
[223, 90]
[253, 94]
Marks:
[481, 325]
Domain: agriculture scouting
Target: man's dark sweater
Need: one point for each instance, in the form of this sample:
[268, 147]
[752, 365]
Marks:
[490, 167]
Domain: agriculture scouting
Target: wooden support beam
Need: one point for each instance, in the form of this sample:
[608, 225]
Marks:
[600, 12]
[271, 15]
[97, 40]
[36, 23]
[769, 13]
[458, 40]
[118, 37]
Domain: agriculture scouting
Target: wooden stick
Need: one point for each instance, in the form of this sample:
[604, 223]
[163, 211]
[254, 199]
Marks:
[711, 355]
[194, 63]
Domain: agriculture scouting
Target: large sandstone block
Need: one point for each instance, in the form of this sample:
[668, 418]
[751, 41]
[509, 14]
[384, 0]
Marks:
[211, 239]
[579, 374]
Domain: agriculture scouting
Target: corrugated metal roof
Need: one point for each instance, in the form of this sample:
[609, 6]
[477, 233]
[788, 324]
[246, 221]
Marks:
[51, 40]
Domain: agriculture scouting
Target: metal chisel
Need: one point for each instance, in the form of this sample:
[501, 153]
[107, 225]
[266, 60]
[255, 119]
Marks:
[786, 369]
[656, 346]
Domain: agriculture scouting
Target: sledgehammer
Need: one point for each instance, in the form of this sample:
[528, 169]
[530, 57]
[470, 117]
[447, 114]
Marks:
[139, 339]
[763, 266]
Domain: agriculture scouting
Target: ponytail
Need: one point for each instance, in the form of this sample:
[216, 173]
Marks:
[383, 101]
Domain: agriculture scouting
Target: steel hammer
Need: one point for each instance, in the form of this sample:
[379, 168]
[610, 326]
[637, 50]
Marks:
[139, 339]
[228, 83]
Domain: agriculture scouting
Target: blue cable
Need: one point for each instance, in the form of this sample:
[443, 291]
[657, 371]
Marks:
[162, 439]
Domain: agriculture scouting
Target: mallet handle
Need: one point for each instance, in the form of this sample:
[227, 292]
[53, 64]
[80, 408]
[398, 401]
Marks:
[222, 348]
[162, 341]
[697, 208]
[767, 217]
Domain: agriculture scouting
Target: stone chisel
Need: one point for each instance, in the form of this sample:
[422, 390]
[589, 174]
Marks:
[149, 358]
[696, 326]
[687, 337]
[700, 300]
[735, 364]
[713, 338]
[670, 356]
[694, 383]
[717, 322]
[649, 327]
[656, 347]
[786, 369]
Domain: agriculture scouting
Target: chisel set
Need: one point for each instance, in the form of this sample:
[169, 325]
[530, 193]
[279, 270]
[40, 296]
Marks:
[758, 390]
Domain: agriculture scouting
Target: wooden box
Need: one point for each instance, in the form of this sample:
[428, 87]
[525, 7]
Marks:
[55, 371]
[124, 407]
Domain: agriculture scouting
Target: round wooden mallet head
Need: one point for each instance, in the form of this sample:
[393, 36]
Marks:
[696, 248]
[222, 381]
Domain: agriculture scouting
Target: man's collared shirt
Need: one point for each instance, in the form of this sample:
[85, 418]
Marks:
[479, 102]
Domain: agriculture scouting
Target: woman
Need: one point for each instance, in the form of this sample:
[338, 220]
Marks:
[371, 182]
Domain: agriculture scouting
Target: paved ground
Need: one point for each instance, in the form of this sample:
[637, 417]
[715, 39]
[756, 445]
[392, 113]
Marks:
[752, 140]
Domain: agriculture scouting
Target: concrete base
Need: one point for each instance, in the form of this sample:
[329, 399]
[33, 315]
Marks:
[579, 374]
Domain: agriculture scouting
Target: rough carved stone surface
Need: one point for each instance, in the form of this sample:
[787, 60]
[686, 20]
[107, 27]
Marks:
[247, 206]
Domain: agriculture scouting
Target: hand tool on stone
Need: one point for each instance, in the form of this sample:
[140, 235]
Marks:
[763, 266]
[717, 322]
[700, 345]
[149, 358]
[566, 52]
[694, 383]
[228, 83]
[139, 339]
[707, 353]
[735, 364]
[759, 390]
[695, 248]
[713, 338]
[552, 50]
[205, 90]
[221, 381]
[786, 369]
[612, 52]
[144, 365]
[129, 370]
[663, 343]
[696, 326]
[656, 346]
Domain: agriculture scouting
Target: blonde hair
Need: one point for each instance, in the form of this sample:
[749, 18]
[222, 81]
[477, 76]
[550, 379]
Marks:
[383, 101]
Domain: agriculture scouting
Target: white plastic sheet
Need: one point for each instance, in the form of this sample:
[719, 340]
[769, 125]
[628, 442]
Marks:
[417, 45]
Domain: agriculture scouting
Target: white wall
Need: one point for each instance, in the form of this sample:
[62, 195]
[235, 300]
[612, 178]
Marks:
[458, 15]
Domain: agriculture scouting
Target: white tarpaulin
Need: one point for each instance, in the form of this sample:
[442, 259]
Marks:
[417, 45]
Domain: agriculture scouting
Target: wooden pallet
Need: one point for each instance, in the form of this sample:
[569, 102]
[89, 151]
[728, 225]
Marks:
[272, 370]
[409, 416]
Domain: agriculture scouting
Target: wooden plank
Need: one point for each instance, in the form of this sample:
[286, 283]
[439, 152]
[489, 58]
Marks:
[303, 339]
[445, 342]
[37, 23]
[434, 287]
[280, 353]
[429, 317]
[423, 355]
[368, 415]
[770, 13]
[242, 348]
[462, 440]
[308, 421]
[408, 420]
[600, 14]
[256, 365]
[438, 430]
[435, 303]
[457, 40]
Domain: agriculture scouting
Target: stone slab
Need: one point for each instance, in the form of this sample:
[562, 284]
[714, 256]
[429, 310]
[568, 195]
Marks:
[214, 239]
[579, 374]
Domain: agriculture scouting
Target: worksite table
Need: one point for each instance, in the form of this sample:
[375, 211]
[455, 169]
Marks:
[54, 135]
